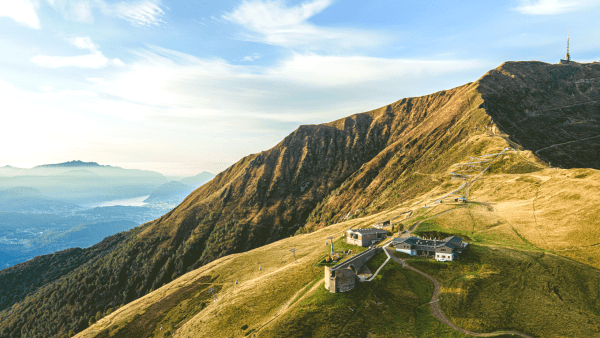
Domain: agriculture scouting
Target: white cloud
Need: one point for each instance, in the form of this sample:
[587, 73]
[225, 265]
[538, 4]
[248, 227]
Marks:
[82, 11]
[118, 62]
[250, 58]
[138, 13]
[76, 10]
[6, 87]
[84, 42]
[22, 11]
[93, 60]
[328, 71]
[267, 15]
[553, 7]
[271, 22]
[179, 86]
[141, 13]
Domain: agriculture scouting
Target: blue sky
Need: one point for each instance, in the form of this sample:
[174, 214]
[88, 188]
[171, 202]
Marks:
[181, 87]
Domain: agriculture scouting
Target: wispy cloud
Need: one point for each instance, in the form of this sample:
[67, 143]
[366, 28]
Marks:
[22, 11]
[332, 71]
[272, 22]
[250, 58]
[141, 13]
[138, 13]
[553, 7]
[183, 85]
[95, 59]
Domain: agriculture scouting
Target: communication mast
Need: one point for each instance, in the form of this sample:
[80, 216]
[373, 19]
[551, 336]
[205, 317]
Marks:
[567, 58]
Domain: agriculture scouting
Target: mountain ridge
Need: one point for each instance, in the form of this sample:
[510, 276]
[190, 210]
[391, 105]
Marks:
[74, 163]
[316, 176]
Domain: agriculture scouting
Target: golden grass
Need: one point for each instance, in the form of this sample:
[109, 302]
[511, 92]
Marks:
[523, 219]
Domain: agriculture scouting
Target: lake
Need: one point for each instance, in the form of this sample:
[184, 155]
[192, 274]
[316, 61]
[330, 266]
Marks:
[129, 202]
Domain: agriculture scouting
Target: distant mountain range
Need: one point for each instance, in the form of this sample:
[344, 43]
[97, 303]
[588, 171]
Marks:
[174, 192]
[72, 164]
[82, 182]
[198, 180]
[47, 208]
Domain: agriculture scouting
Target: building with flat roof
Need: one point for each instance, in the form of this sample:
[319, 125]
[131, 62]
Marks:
[365, 237]
[444, 250]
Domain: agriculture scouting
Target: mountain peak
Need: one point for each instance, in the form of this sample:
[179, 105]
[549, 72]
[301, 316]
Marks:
[75, 163]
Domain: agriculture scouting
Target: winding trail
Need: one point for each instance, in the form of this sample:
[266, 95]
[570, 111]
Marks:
[560, 144]
[436, 311]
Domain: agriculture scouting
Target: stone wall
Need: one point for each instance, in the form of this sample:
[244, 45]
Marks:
[357, 241]
[342, 277]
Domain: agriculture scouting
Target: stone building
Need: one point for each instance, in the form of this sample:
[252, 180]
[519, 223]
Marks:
[444, 250]
[343, 276]
[339, 280]
[365, 237]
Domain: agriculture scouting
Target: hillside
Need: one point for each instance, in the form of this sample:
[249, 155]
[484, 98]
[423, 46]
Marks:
[504, 283]
[317, 176]
[552, 110]
[197, 180]
[169, 192]
[24, 199]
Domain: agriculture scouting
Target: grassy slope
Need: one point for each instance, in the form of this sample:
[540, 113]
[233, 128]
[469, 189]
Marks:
[533, 292]
[550, 209]
[509, 281]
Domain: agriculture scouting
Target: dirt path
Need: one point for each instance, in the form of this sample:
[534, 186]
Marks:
[436, 311]
[560, 144]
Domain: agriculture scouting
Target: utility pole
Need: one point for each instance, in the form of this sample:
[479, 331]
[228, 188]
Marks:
[294, 252]
[212, 291]
[331, 239]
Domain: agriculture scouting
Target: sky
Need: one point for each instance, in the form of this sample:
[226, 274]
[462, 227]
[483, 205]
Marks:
[180, 87]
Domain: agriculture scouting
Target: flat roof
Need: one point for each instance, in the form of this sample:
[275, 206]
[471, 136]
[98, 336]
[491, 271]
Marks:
[452, 242]
[367, 231]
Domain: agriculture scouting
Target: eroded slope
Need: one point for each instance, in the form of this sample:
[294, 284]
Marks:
[552, 110]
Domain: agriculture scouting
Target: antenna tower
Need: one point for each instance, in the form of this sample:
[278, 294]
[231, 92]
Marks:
[294, 252]
[568, 57]
[330, 238]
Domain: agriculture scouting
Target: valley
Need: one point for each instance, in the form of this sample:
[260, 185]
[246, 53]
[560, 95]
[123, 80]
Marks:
[32, 223]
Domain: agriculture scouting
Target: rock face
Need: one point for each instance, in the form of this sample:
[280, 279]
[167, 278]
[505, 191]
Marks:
[322, 174]
[552, 110]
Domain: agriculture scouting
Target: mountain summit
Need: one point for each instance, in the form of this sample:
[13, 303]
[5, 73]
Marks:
[320, 175]
[76, 163]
